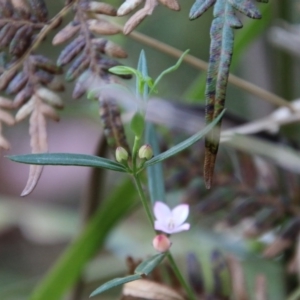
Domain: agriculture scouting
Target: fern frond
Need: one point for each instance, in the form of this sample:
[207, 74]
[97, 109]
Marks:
[221, 48]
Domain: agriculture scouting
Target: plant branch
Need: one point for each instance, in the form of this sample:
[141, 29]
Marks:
[202, 65]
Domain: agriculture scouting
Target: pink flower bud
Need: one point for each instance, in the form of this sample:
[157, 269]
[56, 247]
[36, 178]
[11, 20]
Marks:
[161, 243]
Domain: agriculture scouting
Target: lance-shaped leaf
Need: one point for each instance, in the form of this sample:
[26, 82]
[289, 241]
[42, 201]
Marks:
[144, 268]
[68, 159]
[217, 76]
[183, 145]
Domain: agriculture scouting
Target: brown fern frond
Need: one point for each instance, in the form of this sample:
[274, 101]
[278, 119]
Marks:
[140, 15]
[6, 118]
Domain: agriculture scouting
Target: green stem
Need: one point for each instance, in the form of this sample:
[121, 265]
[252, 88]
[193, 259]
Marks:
[179, 276]
[135, 150]
[143, 199]
[170, 257]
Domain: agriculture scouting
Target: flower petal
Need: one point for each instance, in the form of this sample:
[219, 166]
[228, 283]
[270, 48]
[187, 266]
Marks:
[161, 226]
[183, 227]
[161, 211]
[180, 214]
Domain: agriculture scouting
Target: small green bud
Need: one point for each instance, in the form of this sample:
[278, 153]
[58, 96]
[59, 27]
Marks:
[121, 155]
[146, 152]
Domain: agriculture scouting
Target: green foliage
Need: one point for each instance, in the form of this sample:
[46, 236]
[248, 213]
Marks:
[143, 269]
[68, 159]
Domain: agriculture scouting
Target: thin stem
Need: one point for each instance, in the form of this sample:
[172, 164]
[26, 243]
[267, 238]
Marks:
[169, 255]
[179, 276]
[135, 150]
[143, 199]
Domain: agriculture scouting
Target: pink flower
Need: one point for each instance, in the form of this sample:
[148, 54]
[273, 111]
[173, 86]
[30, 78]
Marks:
[170, 221]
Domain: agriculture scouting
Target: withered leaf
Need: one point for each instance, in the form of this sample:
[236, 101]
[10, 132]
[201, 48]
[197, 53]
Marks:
[7, 33]
[43, 77]
[6, 8]
[109, 48]
[102, 8]
[22, 8]
[25, 110]
[79, 65]
[102, 27]
[151, 290]
[23, 95]
[39, 9]
[21, 40]
[128, 6]
[6, 118]
[66, 33]
[172, 4]
[71, 51]
[50, 97]
[46, 64]
[17, 83]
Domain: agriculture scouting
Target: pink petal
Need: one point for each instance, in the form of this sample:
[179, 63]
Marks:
[161, 226]
[183, 227]
[180, 214]
[161, 211]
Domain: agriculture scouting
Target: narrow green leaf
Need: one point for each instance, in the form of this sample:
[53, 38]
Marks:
[123, 70]
[183, 145]
[113, 283]
[71, 264]
[169, 70]
[148, 265]
[155, 173]
[142, 67]
[68, 159]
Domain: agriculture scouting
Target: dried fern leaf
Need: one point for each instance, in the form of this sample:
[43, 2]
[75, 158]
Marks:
[17, 83]
[22, 9]
[23, 95]
[172, 4]
[39, 10]
[38, 134]
[78, 66]
[6, 78]
[102, 27]
[5, 103]
[151, 290]
[50, 97]
[46, 64]
[139, 16]
[81, 85]
[66, 33]
[25, 110]
[71, 51]
[6, 118]
[49, 112]
[7, 33]
[43, 77]
[128, 6]
[101, 8]
[109, 48]
[21, 40]
[6, 9]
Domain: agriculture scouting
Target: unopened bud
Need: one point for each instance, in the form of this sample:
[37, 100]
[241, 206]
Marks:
[121, 154]
[161, 243]
[146, 152]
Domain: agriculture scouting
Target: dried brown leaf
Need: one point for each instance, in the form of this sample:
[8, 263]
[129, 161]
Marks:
[23, 95]
[102, 27]
[109, 48]
[50, 97]
[7, 33]
[6, 8]
[6, 78]
[22, 8]
[6, 118]
[172, 4]
[4, 143]
[66, 33]
[49, 112]
[39, 9]
[25, 110]
[17, 83]
[147, 289]
[139, 16]
[128, 6]
[78, 66]
[38, 134]
[102, 8]
[5, 103]
[21, 40]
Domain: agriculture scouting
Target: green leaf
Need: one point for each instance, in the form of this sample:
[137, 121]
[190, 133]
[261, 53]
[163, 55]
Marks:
[113, 283]
[148, 265]
[68, 159]
[123, 70]
[142, 67]
[70, 265]
[137, 124]
[169, 70]
[183, 145]
[155, 173]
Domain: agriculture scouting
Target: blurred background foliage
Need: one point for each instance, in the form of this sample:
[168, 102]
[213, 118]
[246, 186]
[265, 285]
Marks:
[36, 230]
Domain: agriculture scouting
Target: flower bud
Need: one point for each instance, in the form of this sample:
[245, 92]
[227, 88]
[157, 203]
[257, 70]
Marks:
[121, 154]
[146, 152]
[161, 243]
